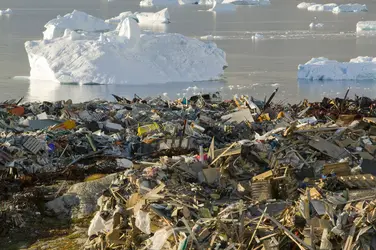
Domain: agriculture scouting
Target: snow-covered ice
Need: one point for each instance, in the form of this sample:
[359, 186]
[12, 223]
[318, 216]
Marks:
[184, 2]
[322, 7]
[366, 26]
[122, 56]
[6, 12]
[316, 25]
[333, 7]
[76, 20]
[360, 68]
[350, 8]
[149, 3]
[160, 17]
[257, 36]
[304, 5]
[114, 21]
[143, 18]
[206, 2]
[247, 2]
[222, 7]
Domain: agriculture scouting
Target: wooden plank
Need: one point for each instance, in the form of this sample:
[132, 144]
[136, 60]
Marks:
[340, 169]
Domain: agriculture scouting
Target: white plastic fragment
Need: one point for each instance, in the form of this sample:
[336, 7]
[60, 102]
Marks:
[98, 224]
[160, 237]
[143, 221]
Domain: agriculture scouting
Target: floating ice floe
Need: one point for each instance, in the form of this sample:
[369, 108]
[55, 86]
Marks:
[160, 17]
[360, 68]
[316, 25]
[122, 56]
[184, 2]
[350, 8]
[211, 37]
[322, 7]
[222, 7]
[247, 2]
[333, 7]
[77, 21]
[365, 26]
[257, 36]
[6, 12]
[149, 3]
[304, 5]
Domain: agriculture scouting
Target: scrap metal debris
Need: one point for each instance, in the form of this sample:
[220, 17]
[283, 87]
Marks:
[201, 173]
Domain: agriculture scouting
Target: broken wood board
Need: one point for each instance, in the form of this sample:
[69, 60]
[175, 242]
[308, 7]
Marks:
[264, 176]
[370, 119]
[340, 169]
[359, 181]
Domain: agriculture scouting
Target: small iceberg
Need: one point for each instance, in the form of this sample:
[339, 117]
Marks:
[360, 68]
[316, 25]
[322, 7]
[365, 26]
[247, 2]
[6, 12]
[122, 56]
[257, 36]
[219, 6]
[160, 17]
[350, 8]
[304, 5]
[333, 7]
[76, 21]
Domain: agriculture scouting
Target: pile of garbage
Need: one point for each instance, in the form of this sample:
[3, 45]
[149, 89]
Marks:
[203, 173]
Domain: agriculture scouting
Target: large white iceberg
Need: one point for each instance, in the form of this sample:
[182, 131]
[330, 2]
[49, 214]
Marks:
[350, 8]
[76, 21]
[360, 68]
[6, 12]
[366, 26]
[124, 56]
[247, 2]
[304, 5]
